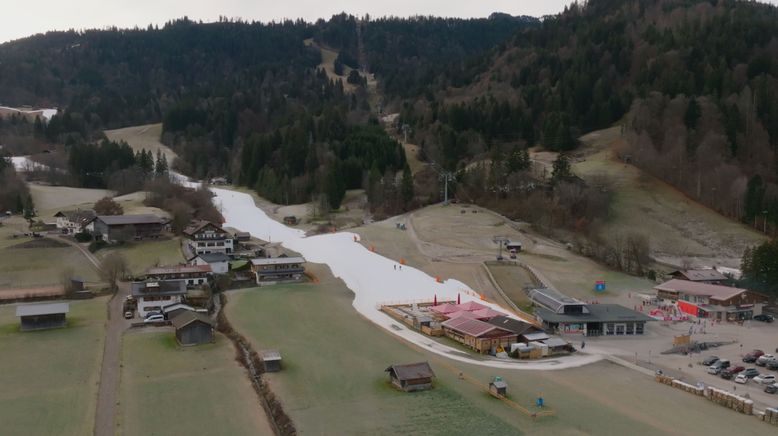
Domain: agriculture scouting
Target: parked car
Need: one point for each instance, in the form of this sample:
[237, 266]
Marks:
[154, 318]
[728, 373]
[763, 359]
[718, 366]
[764, 379]
[752, 356]
[771, 389]
[741, 378]
[128, 314]
[710, 360]
[750, 372]
[772, 364]
[764, 318]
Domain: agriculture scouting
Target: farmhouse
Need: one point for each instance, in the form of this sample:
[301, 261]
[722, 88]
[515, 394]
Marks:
[411, 377]
[278, 269]
[193, 275]
[218, 262]
[192, 328]
[152, 296]
[42, 316]
[112, 228]
[242, 236]
[710, 276]
[271, 360]
[71, 222]
[478, 335]
[207, 237]
[712, 301]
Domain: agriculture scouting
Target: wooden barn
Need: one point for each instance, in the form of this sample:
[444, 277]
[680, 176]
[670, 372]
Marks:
[42, 316]
[193, 328]
[411, 377]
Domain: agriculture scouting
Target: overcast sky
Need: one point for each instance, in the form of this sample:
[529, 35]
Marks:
[24, 18]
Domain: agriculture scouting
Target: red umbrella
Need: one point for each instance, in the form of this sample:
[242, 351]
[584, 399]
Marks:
[458, 300]
[435, 300]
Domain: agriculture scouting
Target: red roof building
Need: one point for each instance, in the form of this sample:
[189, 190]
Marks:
[478, 335]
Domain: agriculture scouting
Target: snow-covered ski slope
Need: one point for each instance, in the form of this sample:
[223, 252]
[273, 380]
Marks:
[372, 277]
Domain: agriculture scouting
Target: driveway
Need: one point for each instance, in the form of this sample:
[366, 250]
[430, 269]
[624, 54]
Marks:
[110, 374]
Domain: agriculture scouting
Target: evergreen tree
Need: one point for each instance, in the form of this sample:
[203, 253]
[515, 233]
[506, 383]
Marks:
[692, 114]
[561, 168]
[754, 197]
[407, 187]
[161, 167]
[335, 186]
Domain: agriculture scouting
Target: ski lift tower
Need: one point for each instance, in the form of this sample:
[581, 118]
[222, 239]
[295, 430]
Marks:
[501, 241]
[446, 176]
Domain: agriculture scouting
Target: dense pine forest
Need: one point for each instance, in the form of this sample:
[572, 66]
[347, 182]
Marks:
[693, 82]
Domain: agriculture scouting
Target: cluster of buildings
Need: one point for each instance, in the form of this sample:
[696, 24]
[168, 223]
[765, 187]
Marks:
[480, 328]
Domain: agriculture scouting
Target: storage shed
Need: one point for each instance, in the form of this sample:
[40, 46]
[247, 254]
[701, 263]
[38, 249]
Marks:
[271, 360]
[193, 328]
[411, 377]
[498, 387]
[42, 316]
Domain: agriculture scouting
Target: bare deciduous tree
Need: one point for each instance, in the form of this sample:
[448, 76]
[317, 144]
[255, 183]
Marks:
[113, 268]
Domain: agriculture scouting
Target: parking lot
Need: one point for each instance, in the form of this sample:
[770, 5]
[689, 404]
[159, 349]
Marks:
[646, 351]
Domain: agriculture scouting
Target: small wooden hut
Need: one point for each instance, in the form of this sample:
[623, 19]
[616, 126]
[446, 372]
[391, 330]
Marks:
[411, 377]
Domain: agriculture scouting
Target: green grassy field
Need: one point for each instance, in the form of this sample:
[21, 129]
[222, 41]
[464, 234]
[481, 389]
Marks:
[28, 267]
[512, 279]
[185, 391]
[334, 380]
[146, 254]
[677, 226]
[49, 378]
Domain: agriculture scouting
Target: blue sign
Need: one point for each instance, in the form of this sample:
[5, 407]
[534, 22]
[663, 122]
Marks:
[599, 286]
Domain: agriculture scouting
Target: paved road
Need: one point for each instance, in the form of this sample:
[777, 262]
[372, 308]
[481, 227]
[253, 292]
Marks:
[108, 392]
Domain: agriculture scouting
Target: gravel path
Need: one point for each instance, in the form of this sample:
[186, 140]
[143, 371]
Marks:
[110, 373]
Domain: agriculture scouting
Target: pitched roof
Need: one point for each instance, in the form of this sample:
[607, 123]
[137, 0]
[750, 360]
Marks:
[276, 260]
[486, 313]
[700, 289]
[510, 324]
[196, 226]
[551, 299]
[187, 317]
[470, 306]
[462, 314]
[178, 269]
[119, 220]
[412, 371]
[471, 327]
[42, 309]
[700, 275]
[445, 308]
[78, 216]
[269, 355]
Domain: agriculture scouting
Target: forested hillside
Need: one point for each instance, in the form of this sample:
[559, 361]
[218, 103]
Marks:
[697, 79]
[242, 100]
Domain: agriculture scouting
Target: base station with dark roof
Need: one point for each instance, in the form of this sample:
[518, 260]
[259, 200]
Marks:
[600, 320]
[411, 377]
[193, 328]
